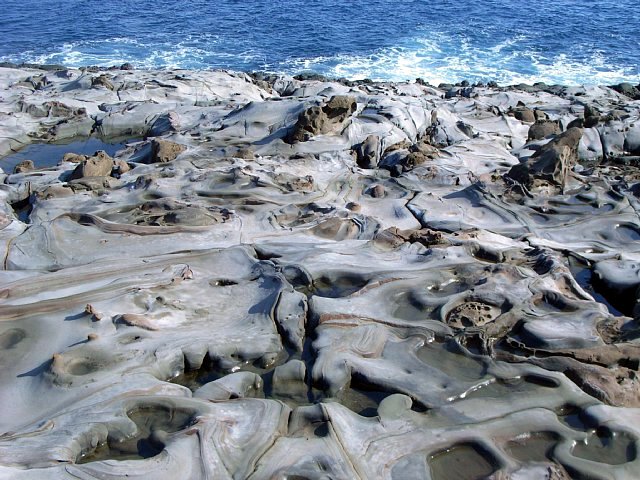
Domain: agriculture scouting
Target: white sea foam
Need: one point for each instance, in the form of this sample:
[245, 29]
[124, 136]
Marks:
[435, 57]
[438, 60]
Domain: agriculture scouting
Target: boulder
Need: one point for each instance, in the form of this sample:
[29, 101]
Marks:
[102, 81]
[420, 153]
[552, 162]
[73, 157]
[340, 107]
[628, 89]
[100, 165]
[591, 116]
[246, 153]
[377, 191]
[542, 129]
[523, 114]
[368, 152]
[164, 151]
[310, 122]
[24, 166]
[317, 119]
[121, 166]
[540, 115]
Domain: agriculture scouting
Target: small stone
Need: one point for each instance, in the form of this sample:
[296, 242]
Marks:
[102, 81]
[121, 166]
[377, 191]
[246, 153]
[354, 206]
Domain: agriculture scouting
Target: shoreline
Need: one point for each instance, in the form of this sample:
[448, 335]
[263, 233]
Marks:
[627, 88]
[358, 280]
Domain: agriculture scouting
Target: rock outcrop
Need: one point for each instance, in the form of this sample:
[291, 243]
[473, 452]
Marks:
[323, 119]
[99, 165]
[164, 151]
[552, 162]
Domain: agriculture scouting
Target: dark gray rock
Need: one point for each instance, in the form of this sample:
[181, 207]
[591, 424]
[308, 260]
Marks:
[628, 89]
[165, 123]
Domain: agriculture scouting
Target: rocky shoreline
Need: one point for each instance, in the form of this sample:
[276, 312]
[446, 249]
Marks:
[283, 277]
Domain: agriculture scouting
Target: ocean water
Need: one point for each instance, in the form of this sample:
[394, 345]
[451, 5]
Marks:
[508, 41]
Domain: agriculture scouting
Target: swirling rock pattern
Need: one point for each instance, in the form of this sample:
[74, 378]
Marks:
[285, 278]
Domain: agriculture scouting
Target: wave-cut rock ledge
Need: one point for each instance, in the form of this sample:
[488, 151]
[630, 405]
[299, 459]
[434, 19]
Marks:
[311, 279]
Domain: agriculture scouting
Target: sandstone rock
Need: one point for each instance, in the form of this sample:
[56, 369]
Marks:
[163, 151]
[121, 166]
[340, 107]
[543, 129]
[591, 116]
[99, 165]
[24, 166]
[102, 81]
[322, 119]
[98, 184]
[552, 162]
[54, 191]
[73, 157]
[292, 316]
[419, 153]
[612, 134]
[540, 115]
[310, 122]
[377, 191]
[354, 207]
[523, 114]
[245, 153]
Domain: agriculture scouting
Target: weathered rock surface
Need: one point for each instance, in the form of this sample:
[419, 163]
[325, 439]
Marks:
[543, 129]
[99, 165]
[552, 162]
[317, 120]
[301, 278]
[163, 151]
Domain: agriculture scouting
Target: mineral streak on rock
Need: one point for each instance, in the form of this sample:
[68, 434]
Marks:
[303, 278]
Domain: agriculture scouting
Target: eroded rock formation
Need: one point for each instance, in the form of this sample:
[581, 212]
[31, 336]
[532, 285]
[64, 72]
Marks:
[285, 278]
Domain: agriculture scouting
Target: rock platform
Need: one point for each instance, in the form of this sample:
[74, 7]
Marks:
[307, 278]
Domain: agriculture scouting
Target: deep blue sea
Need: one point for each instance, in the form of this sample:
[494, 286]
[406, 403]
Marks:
[509, 41]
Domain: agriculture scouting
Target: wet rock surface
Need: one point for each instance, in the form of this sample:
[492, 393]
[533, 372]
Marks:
[300, 278]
